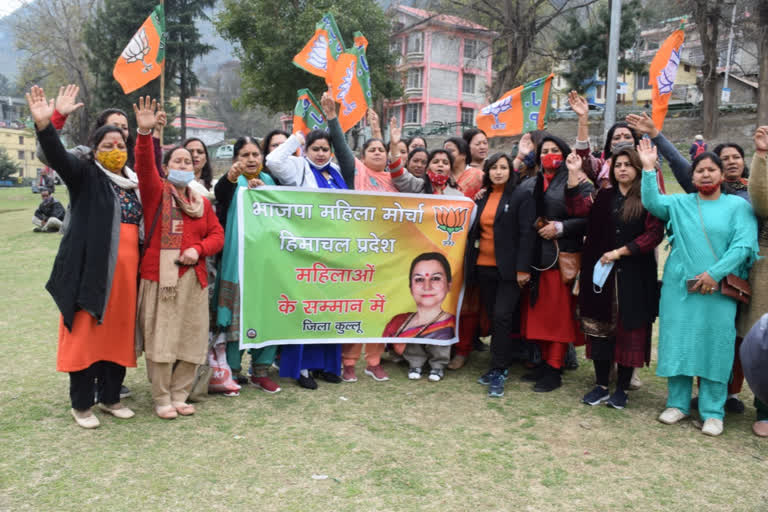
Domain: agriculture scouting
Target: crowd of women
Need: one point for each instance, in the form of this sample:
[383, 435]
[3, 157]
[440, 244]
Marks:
[563, 252]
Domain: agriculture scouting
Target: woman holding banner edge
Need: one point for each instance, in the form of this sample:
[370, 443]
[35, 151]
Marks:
[314, 170]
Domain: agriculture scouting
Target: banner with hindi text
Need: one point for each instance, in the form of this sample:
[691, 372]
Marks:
[321, 266]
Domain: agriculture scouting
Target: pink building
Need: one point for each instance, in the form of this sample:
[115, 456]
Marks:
[445, 67]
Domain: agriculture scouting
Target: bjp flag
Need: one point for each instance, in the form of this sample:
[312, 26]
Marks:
[143, 59]
[323, 48]
[307, 115]
[350, 86]
[662, 75]
[523, 109]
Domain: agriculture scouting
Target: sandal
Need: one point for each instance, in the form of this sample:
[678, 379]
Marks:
[117, 410]
[85, 419]
[166, 412]
[184, 409]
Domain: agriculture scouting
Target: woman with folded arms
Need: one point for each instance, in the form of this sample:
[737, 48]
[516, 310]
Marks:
[713, 235]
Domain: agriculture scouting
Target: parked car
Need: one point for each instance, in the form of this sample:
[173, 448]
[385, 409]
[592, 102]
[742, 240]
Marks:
[225, 152]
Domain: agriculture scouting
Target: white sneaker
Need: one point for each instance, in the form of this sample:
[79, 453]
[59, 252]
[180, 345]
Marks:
[436, 375]
[672, 415]
[712, 427]
[635, 383]
[414, 373]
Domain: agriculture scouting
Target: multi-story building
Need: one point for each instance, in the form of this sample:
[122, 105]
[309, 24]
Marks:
[445, 67]
[16, 139]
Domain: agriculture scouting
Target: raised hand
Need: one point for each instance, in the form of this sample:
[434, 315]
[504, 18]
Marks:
[761, 140]
[573, 162]
[394, 139]
[372, 117]
[40, 108]
[578, 104]
[145, 114]
[525, 146]
[642, 124]
[300, 137]
[648, 153]
[66, 100]
[328, 106]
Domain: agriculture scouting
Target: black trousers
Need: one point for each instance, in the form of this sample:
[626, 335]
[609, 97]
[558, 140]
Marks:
[501, 300]
[104, 378]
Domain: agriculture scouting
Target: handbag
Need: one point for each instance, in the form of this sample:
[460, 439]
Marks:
[731, 285]
[570, 265]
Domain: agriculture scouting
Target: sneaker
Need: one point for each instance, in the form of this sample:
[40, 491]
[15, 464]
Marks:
[377, 373]
[635, 383]
[671, 415]
[496, 383]
[618, 399]
[436, 374]
[306, 382]
[414, 373]
[348, 374]
[485, 379]
[712, 427]
[265, 384]
[327, 376]
[597, 396]
[733, 404]
[124, 392]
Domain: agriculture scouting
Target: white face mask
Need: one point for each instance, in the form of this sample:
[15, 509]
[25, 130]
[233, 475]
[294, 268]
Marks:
[600, 275]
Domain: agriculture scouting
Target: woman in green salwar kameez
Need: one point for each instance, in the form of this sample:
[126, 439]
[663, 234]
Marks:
[711, 235]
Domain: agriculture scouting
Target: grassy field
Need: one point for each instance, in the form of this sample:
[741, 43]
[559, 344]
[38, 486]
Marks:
[398, 445]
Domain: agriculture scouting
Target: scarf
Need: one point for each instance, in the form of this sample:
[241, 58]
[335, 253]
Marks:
[129, 182]
[250, 176]
[171, 233]
[335, 182]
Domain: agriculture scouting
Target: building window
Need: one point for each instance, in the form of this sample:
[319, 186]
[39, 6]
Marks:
[642, 81]
[416, 42]
[414, 78]
[686, 68]
[21, 140]
[468, 84]
[468, 116]
[413, 113]
[471, 49]
[20, 155]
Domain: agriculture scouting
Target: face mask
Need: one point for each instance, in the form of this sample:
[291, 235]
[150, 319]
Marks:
[622, 145]
[180, 178]
[437, 179]
[251, 175]
[600, 275]
[708, 190]
[113, 160]
[551, 161]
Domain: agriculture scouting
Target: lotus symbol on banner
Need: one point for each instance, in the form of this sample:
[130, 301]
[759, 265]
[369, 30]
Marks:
[450, 220]
[137, 49]
[496, 109]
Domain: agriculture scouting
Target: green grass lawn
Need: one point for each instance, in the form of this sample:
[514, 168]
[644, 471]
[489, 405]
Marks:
[398, 445]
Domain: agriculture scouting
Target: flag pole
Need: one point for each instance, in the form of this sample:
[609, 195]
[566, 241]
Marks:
[162, 80]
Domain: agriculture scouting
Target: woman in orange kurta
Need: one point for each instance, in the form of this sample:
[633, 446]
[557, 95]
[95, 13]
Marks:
[93, 280]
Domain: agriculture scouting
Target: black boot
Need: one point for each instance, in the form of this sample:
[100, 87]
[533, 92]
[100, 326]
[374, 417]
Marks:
[549, 381]
[535, 374]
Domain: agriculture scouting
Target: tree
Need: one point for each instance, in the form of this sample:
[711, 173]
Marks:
[107, 33]
[585, 47]
[708, 17]
[7, 166]
[520, 25]
[50, 35]
[269, 33]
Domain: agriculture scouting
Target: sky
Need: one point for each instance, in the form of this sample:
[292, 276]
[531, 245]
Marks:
[8, 6]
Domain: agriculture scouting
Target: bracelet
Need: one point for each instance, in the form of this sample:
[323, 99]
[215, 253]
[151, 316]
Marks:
[138, 130]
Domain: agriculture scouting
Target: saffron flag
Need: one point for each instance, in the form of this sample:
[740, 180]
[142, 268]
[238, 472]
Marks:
[349, 81]
[143, 59]
[662, 75]
[523, 109]
[323, 48]
[307, 115]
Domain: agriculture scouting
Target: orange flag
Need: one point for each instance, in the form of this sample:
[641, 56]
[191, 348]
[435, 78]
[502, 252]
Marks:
[350, 83]
[143, 59]
[662, 75]
[523, 109]
[325, 46]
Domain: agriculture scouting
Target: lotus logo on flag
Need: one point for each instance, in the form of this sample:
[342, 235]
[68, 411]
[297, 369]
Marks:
[138, 48]
[497, 108]
[666, 80]
[450, 220]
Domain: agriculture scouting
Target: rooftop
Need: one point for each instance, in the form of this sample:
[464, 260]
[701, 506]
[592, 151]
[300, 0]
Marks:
[446, 19]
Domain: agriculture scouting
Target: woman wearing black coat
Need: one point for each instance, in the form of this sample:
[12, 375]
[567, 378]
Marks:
[500, 247]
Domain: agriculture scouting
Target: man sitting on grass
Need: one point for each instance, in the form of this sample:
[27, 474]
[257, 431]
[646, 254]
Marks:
[49, 216]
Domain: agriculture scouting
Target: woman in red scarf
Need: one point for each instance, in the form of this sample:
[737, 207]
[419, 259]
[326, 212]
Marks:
[173, 294]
